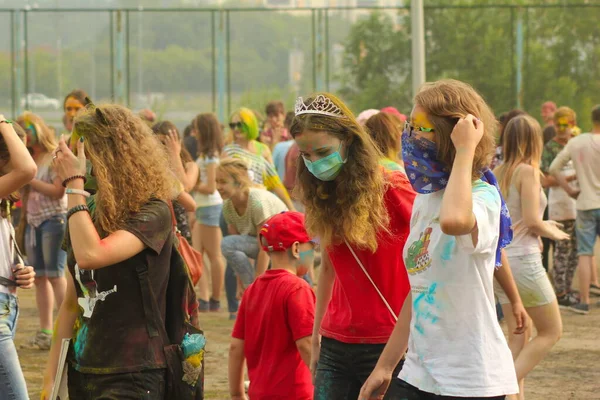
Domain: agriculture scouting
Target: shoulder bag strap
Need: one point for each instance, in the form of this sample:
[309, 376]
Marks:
[360, 264]
[173, 218]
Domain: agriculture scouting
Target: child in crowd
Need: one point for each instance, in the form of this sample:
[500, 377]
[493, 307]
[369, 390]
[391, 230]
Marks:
[275, 321]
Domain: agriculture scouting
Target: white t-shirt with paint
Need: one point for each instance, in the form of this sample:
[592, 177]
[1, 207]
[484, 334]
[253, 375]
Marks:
[456, 346]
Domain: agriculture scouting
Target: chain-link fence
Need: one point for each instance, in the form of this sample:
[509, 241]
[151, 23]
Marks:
[180, 62]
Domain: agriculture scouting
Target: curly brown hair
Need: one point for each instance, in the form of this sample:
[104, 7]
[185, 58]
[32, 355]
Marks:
[129, 163]
[351, 207]
[445, 102]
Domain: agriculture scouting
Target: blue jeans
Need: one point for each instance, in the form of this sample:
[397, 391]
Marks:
[237, 249]
[43, 245]
[12, 381]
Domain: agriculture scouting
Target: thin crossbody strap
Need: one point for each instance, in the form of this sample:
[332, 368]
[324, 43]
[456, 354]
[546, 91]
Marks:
[360, 264]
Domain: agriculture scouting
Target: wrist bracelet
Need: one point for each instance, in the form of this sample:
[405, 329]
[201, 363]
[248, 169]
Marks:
[76, 209]
[7, 121]
[78, 191]
[72, 178]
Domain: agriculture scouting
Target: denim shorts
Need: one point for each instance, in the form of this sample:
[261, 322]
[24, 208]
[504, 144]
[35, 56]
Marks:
[43, 246]
[531, 279]
[209, 215]
[587, 228]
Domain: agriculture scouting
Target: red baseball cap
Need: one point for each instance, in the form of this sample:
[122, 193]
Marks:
[282, 230]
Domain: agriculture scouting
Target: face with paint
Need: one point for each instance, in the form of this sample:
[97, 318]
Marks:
[72, 107]
[324, 154]
[31, 133]
[420, 126]
[301, 256]
[564, 127]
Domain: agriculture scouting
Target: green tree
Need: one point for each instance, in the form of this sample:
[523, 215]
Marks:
[376, 64]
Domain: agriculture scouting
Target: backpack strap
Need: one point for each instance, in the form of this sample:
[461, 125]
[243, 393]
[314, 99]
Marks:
[154, 322]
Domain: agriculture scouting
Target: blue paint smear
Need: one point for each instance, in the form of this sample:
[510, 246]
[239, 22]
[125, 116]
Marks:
[422, 312]
[80, 341]
[448, 248]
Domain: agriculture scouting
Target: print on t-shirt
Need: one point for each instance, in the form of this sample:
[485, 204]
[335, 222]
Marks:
[89, 288]
[418, 259]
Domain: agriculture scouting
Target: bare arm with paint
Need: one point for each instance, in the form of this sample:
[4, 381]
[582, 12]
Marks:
[63, 329]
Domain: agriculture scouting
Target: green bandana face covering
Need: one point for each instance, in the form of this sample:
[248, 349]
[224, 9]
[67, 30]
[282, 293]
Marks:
[327, 168]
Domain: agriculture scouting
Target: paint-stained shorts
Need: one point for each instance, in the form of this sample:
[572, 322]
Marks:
[531, 279]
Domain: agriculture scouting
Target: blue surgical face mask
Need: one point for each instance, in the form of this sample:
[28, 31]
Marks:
[327, 168]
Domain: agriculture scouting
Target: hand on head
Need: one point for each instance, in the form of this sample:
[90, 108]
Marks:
[66, 163]
[467, 132]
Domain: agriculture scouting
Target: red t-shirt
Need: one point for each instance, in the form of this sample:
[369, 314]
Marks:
[276, 310]
[356, 313]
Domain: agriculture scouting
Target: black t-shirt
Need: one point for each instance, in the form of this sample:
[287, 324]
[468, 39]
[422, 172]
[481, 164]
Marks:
[110, 334]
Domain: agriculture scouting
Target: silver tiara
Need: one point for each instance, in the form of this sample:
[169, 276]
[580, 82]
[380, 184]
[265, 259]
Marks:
[320, 105]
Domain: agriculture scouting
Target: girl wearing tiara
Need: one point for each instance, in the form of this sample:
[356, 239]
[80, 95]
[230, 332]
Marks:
[459, 224]
[361, 213]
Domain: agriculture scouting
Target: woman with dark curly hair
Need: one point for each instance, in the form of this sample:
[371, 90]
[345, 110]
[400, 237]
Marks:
[360, 211]
[131, 226]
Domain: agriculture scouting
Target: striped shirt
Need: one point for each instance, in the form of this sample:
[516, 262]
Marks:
[40, 207]
[261, 206]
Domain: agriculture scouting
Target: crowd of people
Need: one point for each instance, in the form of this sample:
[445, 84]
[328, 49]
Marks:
[426, 230]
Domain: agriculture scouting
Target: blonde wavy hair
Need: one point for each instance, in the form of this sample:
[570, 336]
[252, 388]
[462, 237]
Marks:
[350, 207]
[445, 102]
[129, 163]
[45, 135]
[238, 170]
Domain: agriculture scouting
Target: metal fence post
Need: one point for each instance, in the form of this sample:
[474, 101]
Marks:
[26, 58]
[519, 58]
[13, 65]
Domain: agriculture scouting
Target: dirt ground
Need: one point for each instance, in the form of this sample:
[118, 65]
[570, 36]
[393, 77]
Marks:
[570, 372]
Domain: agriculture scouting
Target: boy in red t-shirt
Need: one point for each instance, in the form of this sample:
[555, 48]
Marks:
[274, 325]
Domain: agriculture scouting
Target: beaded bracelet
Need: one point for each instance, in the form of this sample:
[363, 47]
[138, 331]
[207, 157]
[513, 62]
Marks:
[72, 178]
[76, 209]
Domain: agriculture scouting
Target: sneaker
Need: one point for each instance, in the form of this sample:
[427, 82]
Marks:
[580, 308]
[214, 305]
[40, 341]
[203, 305]
[566, 301]
[595, 289]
